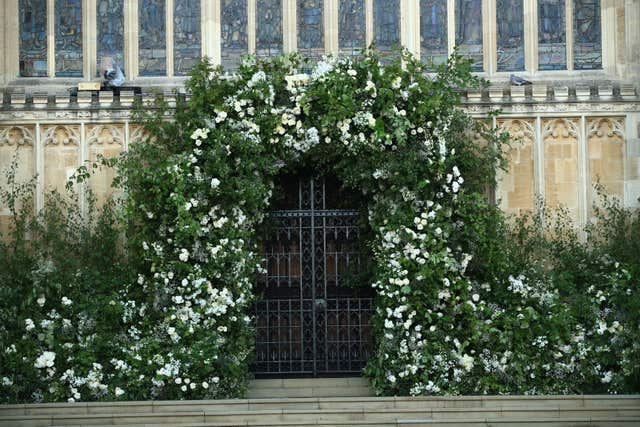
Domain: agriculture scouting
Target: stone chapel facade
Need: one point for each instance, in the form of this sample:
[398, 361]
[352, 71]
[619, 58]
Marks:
[578, 122]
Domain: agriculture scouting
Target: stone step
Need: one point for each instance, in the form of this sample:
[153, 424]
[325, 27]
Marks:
[266, 393]
[307, 416]
[357, 403]
[536, 422]
[310, 387]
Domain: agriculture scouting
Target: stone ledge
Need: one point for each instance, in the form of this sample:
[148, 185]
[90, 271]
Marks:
[497, 95]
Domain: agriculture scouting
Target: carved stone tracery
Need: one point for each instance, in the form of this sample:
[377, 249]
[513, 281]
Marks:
[560, 128]
[613, 126]
[138, 133]
[16, 135]
[516, 186]
[105, 135]
[61, 135]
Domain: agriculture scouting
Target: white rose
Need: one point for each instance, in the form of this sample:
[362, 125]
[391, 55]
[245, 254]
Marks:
[41, 300]
[466, 362]
[205, 385]
[29, 325]
[119, 391]
[45, 360]
[215, 183]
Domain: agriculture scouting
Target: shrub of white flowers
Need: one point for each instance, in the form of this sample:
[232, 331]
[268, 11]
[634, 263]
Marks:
[455, 312]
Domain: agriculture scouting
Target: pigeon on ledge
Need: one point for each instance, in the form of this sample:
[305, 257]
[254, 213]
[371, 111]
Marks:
[518, 81]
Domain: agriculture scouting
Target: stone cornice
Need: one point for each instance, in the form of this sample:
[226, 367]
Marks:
[19, 105]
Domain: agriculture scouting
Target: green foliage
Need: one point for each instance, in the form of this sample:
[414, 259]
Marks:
[594, 272]
[61, 274]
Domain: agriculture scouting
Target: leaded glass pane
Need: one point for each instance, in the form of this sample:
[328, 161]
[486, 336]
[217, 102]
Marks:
[235, 42]
[152, 45]
[510, 21]
[587, 35]
[351, 26]
[311, 27]
[68, 36]
[386, 24]
[434, 45]
[110, 27]
[33, 38]
[268, 27]
[552, 50]
[187, 49]
[469, 30]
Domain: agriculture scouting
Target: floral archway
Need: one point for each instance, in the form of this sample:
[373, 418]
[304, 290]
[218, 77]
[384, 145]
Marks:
[391, 131]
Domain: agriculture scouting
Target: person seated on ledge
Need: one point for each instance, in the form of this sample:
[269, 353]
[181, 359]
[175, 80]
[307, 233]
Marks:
[112, 73]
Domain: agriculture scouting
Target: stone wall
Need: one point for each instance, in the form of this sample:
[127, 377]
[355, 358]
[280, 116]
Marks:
[564, 139]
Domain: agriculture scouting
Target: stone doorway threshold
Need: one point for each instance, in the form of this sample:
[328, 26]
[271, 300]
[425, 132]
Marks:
[309, 387]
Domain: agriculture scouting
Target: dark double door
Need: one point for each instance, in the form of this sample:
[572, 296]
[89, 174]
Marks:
[310, 319]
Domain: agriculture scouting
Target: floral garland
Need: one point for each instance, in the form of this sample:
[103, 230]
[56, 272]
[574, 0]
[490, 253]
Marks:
[366, 119]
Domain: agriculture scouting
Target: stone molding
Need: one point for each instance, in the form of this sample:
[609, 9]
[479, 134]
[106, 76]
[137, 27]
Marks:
[511, 100]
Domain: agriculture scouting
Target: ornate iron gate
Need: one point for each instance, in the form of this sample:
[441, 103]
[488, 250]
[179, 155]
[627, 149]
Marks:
[308, 322]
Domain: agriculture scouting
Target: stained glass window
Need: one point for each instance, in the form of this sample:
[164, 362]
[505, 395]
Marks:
[235, 42]
[386, 24]
[110, 27]
[434, 45]
[469, 30]
[268, 27]
[351, 26]
[187, 49]
[152, 49]
[552, 51]
[311, 27]
[510, 22]
[587, 35]
[33, 38]
[68, 37]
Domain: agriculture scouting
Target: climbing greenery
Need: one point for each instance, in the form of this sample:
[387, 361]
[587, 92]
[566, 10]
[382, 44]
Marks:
[199, 187]
[465, 303]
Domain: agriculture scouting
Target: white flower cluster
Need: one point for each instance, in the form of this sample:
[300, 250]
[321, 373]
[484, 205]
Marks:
[537, 290]
[45, 360]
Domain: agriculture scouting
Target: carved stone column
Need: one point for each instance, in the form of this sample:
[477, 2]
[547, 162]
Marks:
[632, 30]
